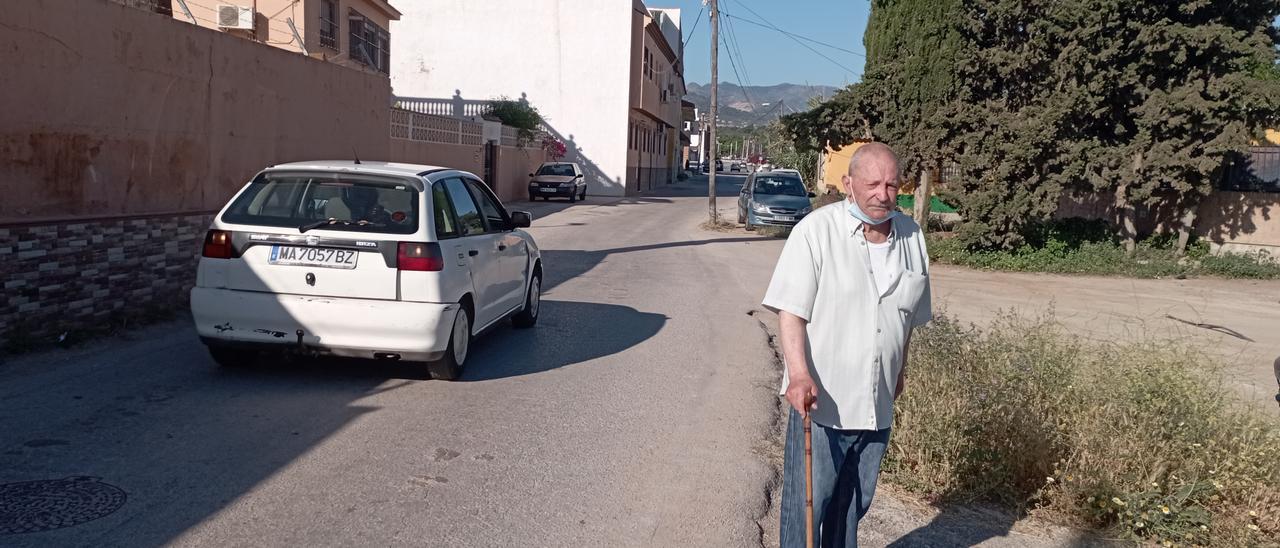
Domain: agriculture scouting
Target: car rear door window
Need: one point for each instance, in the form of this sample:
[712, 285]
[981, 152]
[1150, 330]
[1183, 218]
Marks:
[358, 203]
[494, 217]
[442, 211]
[470, 220]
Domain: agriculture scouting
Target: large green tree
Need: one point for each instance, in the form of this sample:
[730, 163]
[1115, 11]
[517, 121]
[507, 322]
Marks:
[907, 85]
[1007, 120]
[1186, 91]
[1142, 101]
[909, 82]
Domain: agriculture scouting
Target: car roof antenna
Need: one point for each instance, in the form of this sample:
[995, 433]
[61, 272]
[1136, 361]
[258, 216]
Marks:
[356, 155]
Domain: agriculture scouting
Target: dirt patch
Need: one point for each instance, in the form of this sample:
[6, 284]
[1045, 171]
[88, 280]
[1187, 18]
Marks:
[1239, 314]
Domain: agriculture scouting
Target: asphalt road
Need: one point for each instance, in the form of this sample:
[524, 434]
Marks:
[637, 413]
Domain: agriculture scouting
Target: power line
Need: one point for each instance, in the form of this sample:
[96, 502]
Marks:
[818, 53]
[768, 25]
[696, 20]
[733, 64]
[733, 41]
[766, 113]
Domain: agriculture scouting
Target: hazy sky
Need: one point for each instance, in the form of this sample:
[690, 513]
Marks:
[769, 56]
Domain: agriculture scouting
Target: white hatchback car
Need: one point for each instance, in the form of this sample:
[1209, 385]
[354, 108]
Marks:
[365, 260]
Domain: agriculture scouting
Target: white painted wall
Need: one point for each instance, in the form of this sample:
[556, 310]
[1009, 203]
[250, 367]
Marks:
[570, 58]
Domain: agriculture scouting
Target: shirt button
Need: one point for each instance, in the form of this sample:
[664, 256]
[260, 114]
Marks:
[877, 330]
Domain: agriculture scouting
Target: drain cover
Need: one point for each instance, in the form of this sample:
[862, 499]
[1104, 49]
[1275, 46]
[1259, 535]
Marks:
[42, 505]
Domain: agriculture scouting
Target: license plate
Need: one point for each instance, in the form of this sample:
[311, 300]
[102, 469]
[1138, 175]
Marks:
[783, 218]
[313, 256]
[548, 189]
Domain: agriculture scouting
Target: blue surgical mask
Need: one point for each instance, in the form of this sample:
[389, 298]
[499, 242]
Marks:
[859, 215]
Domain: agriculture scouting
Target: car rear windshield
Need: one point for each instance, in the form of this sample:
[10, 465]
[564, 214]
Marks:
[786, 186]
[357, 203]
[560, 170]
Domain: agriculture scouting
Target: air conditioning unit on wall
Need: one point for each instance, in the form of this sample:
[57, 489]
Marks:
[235, 17]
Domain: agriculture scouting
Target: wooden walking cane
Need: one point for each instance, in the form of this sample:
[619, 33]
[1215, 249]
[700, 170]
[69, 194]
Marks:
[808, 483]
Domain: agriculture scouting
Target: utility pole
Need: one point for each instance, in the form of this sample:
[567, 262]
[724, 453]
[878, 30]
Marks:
[715, 97]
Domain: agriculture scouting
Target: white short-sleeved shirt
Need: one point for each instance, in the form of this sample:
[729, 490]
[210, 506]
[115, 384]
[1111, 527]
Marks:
[855, 337]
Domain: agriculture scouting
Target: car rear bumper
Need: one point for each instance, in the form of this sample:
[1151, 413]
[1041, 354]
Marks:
[354, 328]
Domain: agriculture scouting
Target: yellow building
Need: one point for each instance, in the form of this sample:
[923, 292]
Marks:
[835, 163]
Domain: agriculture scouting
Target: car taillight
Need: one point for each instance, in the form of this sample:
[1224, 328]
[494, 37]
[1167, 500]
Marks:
[420, 257]
[217, 244]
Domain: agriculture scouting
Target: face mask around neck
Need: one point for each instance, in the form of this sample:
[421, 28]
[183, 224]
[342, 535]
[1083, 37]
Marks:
[861, 216]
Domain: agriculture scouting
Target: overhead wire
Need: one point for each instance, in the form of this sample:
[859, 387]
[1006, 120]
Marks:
[733, 64]
[794, 37]
[733, 41]
[792, 34]
[696, 20]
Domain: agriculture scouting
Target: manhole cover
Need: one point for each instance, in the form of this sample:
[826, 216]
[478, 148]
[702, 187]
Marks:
[42, 505]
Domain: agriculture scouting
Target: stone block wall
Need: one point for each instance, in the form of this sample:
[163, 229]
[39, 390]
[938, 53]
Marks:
[88, 273]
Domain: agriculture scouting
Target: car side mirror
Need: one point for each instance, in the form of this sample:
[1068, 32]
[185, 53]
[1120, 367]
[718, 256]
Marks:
[531, 175]
[578, 176]
[521, 219]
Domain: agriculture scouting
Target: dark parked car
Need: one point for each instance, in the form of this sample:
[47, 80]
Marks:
[558, 179]
[773, 199]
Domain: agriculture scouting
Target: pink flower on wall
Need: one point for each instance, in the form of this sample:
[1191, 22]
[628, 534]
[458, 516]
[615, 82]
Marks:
[554, 148]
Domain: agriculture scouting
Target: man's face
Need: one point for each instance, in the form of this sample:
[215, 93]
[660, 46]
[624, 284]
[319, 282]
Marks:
[874, 185]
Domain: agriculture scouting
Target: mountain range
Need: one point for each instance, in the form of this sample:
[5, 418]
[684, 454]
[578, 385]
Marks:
[742, 106]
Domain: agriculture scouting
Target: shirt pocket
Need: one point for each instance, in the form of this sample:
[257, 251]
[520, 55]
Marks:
[910, 290]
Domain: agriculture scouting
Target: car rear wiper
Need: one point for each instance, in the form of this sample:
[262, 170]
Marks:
[321, 223]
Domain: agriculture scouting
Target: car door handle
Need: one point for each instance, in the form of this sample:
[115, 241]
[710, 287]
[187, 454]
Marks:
[473, 253]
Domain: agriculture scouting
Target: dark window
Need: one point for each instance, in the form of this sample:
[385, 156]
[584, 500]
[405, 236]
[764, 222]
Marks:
[469, 219]
[329, 24]
[354, 203]
[785, 186]
[494, 217]
[368, 44]
[557, 170]
[446, 222]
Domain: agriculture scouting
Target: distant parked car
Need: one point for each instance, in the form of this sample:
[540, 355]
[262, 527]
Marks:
[364, 260]
[773, 199]
[736, 167]
[558, 180]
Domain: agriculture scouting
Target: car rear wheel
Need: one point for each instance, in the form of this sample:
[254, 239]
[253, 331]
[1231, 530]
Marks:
[450, 366]
[532, 303]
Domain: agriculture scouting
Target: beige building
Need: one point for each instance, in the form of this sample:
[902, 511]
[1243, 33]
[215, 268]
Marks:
[656, 116]
[354, 33]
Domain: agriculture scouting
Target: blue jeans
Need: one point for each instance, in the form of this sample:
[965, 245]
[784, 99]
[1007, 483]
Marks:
[845, 466]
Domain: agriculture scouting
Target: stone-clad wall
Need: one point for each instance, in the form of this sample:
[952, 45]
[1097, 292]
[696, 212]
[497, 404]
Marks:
[65, 276]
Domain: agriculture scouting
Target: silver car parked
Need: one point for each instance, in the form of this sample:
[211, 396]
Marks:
[771, 198]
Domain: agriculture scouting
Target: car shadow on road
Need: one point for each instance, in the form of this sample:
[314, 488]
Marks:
[566, 264]
[567, 333]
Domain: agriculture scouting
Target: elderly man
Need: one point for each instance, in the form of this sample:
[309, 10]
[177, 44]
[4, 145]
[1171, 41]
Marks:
[851, 284]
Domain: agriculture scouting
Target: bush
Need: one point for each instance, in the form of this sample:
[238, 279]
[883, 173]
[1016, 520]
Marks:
[1138, 441]
[518, 114]
[1241, 265]
[1077, 246]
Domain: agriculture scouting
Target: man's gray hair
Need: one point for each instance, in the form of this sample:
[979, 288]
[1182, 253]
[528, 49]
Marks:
[873, 150]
